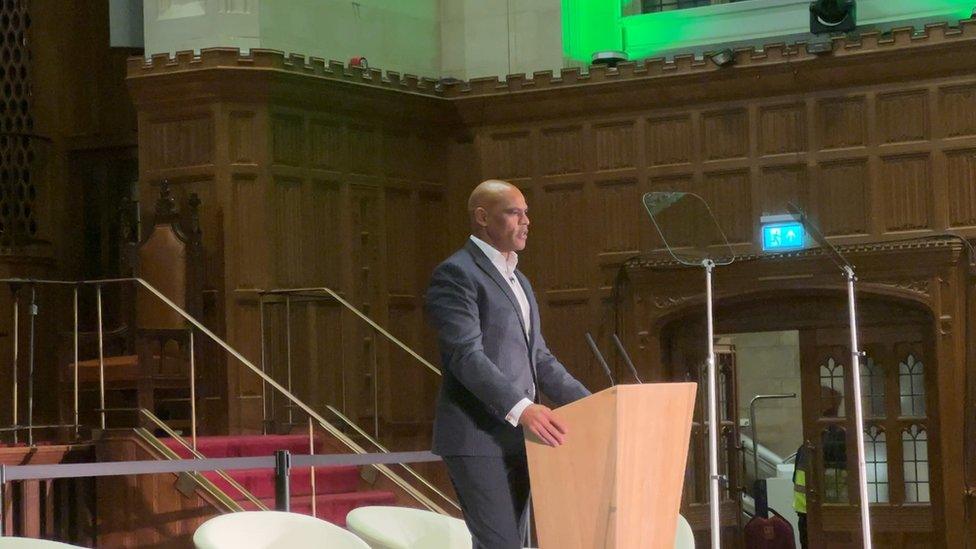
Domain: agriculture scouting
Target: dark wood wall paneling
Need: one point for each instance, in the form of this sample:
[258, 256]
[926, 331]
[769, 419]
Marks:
[326, 175]
[889, 162]
[304, 189]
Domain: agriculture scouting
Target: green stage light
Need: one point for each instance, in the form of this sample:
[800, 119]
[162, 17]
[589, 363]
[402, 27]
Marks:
[591, 26]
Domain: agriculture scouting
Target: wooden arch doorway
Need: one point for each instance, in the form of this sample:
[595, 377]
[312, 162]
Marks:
[898, 393]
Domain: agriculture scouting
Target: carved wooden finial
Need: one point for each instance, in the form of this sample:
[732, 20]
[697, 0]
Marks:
[165, 205]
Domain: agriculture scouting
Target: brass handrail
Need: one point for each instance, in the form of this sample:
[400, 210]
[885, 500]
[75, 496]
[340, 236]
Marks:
[201, 480]
[325, 424]
[175, 436]
[334, 295]
[381, 448]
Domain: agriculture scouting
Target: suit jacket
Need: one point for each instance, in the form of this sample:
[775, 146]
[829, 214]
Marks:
[488, 362]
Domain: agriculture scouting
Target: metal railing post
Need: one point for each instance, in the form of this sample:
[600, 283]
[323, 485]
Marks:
[376, 387]
[282, 480]
[16, 348]
[3, 499]
[101, 358]
[32, 312]
[264, 359]
[77, 420]
[193, 392]
[288, 351]
[311, 452]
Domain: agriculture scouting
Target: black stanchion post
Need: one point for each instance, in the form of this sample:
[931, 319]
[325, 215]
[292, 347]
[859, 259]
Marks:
[282, 483]
[3, 499]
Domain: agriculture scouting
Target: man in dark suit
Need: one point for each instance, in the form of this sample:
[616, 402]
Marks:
[495, 361]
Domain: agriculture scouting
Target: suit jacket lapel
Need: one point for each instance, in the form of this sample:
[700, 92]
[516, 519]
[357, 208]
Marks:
[489, 268]
[533, 306]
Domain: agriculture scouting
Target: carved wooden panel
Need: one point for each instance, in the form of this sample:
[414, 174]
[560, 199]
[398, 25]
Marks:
[248, 228]
[508, 155]
[399, 155]
[289, 252]
[561, 150]
[182, 142]
[287, 139]
[906, 187]
[327, 148]
[961, 183]
[615, 145]
[842, 197]
[728, 195]
[563, 212]
[241, 133]
[841, 122]
[564, 325]
[618, 215]
[327, 355]
[366, 217]
[669, 141]
[782, 184]
[725, 134]
[400, 213]
[435, 231]
[400, 397]
[903, 116]
[958, 110]
[322, 227]
[362, 143]
[247, 385]
[782, 129]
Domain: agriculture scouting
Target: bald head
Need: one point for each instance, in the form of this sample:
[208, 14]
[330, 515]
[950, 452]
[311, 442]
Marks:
[498, 215]
[487, 193]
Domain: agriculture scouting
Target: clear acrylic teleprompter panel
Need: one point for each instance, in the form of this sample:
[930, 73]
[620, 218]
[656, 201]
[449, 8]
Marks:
[689, 230]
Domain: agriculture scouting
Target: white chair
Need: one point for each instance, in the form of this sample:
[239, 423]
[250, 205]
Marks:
[684, 538]
[272, 530]
[32, 543]
[385, 527]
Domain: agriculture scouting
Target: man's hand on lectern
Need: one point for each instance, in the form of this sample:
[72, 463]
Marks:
[544, 424]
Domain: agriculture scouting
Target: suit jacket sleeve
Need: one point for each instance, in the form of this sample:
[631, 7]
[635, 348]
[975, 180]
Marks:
[452, 309]
[555, 382]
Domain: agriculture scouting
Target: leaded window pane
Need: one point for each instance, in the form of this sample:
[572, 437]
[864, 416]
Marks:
[873, 389]
[876, 460]
[915, 448]
[834, 453]
[911, 384]
[832, 380]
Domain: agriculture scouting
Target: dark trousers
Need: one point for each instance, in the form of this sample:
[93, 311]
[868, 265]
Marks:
[801, 525]
[494, 495]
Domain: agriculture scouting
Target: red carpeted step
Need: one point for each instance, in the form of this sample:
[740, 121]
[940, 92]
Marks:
[332, 507]
[261, 482]
[243, 445]
[335, 486]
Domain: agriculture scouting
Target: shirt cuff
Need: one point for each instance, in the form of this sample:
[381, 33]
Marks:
[516, 413]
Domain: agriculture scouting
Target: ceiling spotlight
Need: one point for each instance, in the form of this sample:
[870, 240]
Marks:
[723, 58]
[832, 16]
[609, 58]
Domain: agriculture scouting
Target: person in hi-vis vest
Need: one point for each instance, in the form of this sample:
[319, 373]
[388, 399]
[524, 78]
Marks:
[834, 450]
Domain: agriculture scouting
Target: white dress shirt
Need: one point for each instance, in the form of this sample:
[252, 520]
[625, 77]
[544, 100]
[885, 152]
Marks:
[506, 267]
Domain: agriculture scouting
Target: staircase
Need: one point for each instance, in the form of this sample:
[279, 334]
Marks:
[338, 490]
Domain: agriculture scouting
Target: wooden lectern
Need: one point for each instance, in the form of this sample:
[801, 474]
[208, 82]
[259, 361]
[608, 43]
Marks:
[616, 481]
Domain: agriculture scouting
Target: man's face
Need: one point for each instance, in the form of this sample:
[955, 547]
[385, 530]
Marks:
[506, 221]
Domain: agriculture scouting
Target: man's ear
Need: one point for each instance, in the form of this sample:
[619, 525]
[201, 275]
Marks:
[481, 216]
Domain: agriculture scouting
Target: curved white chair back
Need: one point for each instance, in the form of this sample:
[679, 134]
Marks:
[272, 530]
[385, 527]
[32, 543]
[684, 538]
